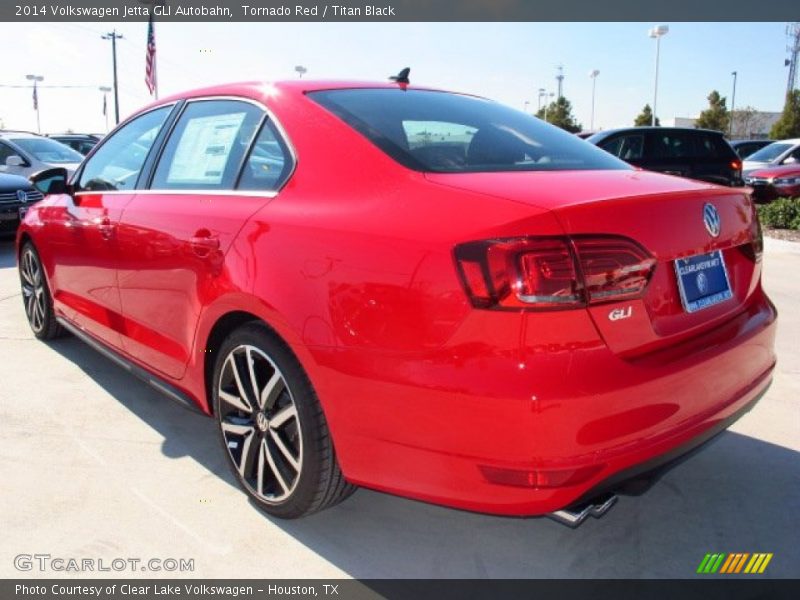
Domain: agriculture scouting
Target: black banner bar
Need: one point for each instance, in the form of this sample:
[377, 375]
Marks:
[736, 587]
[398, 10]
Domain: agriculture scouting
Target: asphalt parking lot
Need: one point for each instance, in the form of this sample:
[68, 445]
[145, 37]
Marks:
[97, 464]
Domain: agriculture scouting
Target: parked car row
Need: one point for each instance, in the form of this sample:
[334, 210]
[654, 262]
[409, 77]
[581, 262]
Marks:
[771, 168]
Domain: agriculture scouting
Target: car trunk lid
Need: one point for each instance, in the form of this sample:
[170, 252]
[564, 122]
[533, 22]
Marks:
[666, 216]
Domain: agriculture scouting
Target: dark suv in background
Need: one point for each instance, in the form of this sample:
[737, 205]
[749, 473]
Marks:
[694, 153]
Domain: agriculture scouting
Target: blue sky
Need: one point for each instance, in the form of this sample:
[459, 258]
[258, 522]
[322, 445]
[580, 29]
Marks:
[508, 62]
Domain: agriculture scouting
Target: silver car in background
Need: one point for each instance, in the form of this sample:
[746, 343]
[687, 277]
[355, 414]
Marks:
[23, 153]
[783, 152]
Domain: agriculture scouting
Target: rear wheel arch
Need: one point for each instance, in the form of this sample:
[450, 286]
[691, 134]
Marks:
[225, 325]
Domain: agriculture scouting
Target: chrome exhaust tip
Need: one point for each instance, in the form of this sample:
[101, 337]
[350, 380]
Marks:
[573, 517]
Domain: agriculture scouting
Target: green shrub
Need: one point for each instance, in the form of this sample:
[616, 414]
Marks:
[783, 213]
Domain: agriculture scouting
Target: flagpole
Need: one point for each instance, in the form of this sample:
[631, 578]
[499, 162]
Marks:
[36, 79]
[155, 68]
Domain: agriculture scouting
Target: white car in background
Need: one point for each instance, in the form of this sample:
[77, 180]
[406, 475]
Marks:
[783, 152]
[23, 153]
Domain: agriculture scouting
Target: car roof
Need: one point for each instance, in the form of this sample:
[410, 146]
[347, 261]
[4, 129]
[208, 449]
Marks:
[265, 89]
[72, 135]
[18, 133]
[658, 128]
[788, 141]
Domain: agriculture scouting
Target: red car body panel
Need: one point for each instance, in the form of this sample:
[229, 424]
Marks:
[352, 265]
[766, 189]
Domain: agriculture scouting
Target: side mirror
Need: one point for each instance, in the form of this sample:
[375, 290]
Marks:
[15, 161]
[788, 161]
[51, 181]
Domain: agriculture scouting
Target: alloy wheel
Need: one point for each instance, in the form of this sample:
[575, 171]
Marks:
[33, 292]
[260, 424]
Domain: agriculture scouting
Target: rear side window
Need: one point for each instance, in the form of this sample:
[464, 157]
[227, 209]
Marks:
[709, 145]
[626, 147]
[269, 163]
[673, 144]
[207, 146]
[451, 133]
[117, 163]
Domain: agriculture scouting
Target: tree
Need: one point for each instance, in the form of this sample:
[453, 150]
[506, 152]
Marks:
[716, 116]
[788, 126]
[645, 118]
[746, 122]
[559, 113]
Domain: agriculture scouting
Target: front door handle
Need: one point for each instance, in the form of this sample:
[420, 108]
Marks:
[105, 226]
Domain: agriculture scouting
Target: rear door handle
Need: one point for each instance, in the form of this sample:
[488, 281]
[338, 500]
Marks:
[204, 242]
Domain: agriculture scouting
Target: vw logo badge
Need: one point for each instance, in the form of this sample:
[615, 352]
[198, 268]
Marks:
[702, 282]
[711, 219]
[22, 196]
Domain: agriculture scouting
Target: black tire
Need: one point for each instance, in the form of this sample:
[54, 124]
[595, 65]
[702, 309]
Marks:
[36, 297]
[298, 474]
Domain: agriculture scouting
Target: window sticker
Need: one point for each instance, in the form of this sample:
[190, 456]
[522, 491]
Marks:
[203, 151]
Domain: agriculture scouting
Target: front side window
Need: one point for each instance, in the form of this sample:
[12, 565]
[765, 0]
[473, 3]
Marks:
[117, 163]
[626, 147]
[5, 152]
[48, 151]
[208, 145]
[451, 133]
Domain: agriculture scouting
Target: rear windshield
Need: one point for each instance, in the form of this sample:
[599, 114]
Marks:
[451, 133]
[768, 153]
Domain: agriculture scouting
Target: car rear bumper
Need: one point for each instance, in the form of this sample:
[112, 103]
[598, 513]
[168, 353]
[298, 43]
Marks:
[511, 433]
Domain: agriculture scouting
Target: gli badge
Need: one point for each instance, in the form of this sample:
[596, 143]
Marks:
[620, 313]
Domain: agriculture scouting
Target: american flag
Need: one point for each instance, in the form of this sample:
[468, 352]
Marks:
[150, 61]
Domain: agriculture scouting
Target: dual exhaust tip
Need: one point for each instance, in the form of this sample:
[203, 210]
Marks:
[572, 517]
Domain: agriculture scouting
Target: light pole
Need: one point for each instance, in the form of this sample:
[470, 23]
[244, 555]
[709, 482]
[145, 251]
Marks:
[36, 79]
[733, 102]
[301, 70]
[525, 106]
[593, 74]
[542, 94]
[547, 95]
[657, 33]
[105, 89]
[114, 36]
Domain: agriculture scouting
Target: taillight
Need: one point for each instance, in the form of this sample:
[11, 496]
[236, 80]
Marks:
[552, 272]
[614, 268]
[736, 165]
[758, 235]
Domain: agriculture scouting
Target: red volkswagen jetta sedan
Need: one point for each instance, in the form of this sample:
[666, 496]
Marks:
[411, 290]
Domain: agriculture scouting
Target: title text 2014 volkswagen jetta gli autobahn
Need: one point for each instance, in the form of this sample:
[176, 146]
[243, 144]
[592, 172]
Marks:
[416, 291]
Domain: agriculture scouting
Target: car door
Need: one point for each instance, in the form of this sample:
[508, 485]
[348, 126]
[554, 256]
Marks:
[173, 237]
[81, 229]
